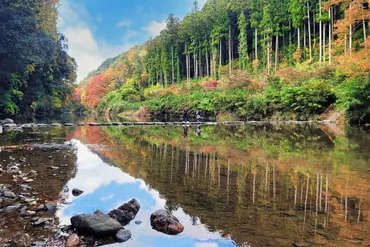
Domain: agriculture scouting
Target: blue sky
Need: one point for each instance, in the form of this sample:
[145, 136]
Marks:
[99, 29]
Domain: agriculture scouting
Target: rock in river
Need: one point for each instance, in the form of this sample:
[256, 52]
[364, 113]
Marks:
[123, 235]
[125, 213]
[73, 240]
[165, 222]
[96, 224]
[76, 192]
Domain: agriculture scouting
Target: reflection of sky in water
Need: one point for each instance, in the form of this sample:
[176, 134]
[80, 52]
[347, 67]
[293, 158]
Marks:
[106, 187]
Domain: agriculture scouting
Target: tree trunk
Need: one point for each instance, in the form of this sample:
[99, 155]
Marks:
[187, 66]
[324, 43]
[256, 43]
[276, 52]
[350, 39]
[200, 63]
[304, 40]
[230, 52]
[207, 62]
[173, 68]
[220, 52]
[195, 65]
[345, 43]
[350, 35]
[268, 57]
[330, 33]
[364, 28]
[309, 30]
[320, 35]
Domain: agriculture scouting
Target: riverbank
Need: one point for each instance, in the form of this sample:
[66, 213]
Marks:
[33, 177]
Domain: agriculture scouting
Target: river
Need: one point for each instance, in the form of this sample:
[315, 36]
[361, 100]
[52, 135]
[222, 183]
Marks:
[248, 185]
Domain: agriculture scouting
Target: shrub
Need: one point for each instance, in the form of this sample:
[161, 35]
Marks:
[210, 85]
[354, 98]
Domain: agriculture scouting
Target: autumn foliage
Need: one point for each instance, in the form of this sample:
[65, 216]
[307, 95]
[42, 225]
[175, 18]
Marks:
[95, 91]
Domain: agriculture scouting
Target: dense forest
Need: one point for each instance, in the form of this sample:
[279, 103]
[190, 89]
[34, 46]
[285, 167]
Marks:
[248, 59]
[36, 73]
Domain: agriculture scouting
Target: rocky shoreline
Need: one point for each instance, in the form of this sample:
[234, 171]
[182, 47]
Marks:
[32, 178]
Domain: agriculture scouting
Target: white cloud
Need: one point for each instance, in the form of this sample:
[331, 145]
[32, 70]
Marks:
[154, 28]
[88, 51]
[124, 23]
[129, 34]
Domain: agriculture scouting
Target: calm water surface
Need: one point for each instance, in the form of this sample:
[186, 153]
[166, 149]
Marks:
[289, 185]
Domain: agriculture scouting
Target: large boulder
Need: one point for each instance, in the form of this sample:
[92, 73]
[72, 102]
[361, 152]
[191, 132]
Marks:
[96, 224]
[164, 221]
[125, 213]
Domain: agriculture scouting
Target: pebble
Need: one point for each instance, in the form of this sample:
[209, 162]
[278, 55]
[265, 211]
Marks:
[11, 208]
[54, 167]
[41, 221]
[41, 207]
[28, 213]
[9, 194]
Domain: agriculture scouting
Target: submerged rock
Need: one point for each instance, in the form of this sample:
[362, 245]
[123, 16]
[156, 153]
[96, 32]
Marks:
[73, 240]
[76, 192]
[96, 224]
[123, 235]
[165, 222]
[138, 222]
[125, 213]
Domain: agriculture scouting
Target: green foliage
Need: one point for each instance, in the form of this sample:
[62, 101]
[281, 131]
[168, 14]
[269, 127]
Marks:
[354, 98]
[36, 73]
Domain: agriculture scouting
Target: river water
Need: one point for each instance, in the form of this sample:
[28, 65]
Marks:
[282, 185]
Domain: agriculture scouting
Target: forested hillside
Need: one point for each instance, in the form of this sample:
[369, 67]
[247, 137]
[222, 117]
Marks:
[36, 73]
[249, 59]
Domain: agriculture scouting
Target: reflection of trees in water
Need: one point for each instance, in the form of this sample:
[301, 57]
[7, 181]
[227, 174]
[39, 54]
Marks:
[278, 189]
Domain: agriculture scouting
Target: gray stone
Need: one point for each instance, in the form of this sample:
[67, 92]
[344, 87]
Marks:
[11, 208]
[96, 224]
[164, 221]
[41, 221]
[7, 121]
[138, 222]
[69, 124]
[28, 213]
[50, 206]
[125, 213]
[123, 235]
[9, 194]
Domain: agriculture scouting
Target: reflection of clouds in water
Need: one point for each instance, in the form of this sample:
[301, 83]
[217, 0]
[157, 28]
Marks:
[106, 187]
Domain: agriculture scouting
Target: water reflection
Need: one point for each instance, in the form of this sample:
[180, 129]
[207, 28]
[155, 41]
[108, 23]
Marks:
[106, 187]
[264, 185]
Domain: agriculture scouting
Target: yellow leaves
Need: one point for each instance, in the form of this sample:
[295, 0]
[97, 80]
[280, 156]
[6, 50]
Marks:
[31, 68]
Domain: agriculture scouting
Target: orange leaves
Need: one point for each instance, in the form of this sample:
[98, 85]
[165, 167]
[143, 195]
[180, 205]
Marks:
[95, 91]
[357, 63]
